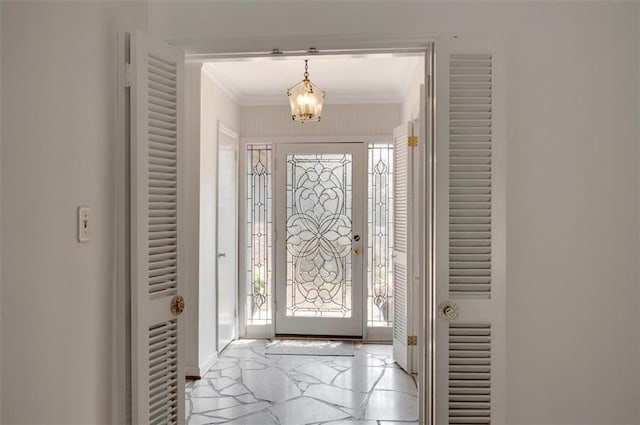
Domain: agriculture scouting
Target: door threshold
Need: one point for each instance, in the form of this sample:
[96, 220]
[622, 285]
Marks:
[331, 338]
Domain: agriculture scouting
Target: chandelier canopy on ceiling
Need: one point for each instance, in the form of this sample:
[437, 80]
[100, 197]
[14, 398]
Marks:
[306, 99]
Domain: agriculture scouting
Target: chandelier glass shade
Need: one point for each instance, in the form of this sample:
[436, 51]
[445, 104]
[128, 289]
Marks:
[306, 99]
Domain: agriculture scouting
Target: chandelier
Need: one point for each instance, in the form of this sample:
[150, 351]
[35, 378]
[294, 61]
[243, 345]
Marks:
[306, 99]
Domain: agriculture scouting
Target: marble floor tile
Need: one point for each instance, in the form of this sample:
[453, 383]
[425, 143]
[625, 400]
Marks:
[397, 380]
[304, 410]
[339, 396]
[359, 378]
[203, 391]
[241, 410]
[200, 420]
[232, 372]
[251, 364]
[260, 418]
[202, 405]
[397, 423]
[392, 406]
[235, 389]
[247, 387]
[270, 384]
[320, 371]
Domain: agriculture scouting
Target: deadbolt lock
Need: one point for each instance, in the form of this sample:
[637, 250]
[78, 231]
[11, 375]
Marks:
[448, 310]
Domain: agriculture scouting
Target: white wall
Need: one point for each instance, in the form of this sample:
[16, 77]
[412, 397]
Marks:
[572, 189]
[337, 120]
[58, 151]
[215, 106]
[410, 107]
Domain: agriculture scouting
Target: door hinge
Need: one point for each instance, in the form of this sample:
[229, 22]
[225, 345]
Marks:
[413, 141]
[127, 74]
[275, 306]
[412, 340]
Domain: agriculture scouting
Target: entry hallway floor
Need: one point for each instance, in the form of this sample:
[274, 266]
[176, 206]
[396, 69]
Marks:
[247, 387]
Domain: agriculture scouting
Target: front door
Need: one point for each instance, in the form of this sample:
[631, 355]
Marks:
[319, 205]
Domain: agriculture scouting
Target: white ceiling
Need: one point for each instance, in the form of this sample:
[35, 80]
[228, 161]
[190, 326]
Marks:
[264, 81]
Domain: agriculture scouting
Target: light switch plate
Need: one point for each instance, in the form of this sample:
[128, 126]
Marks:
[84, 224]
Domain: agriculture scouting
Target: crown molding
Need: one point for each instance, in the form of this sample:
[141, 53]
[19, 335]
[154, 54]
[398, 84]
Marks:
[227, 87]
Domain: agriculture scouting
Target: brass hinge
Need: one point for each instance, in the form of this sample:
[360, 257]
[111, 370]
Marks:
[412, 340]
[413, 141]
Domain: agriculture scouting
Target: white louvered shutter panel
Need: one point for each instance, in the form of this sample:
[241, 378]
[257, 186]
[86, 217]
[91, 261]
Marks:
[470, 237]
[402, 242]
[156, 245]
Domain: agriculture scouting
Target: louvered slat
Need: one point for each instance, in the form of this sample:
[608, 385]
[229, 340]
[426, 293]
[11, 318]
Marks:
[469, 373]
[163, 381]
[162, 177]
[400, 302]
[470, 174]
[401, 197]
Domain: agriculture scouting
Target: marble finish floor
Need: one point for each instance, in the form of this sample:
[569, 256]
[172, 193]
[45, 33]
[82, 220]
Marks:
[247, 387]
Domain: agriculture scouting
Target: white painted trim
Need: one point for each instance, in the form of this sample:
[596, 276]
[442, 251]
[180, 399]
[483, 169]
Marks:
[259, 331]
[121, 348]
[227, 88]
[232, 134]
[226, 129]
[379, 333]
[208, 364]
[193, 371]
[356, 44]
[312, 139]
[332, 44]
[334, 99]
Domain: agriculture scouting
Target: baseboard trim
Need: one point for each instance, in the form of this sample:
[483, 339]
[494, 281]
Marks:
[204, 367]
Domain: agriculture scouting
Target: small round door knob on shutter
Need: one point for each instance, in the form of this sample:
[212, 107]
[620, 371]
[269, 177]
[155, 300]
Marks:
[356, 251]
[448, 310]
[177, 305]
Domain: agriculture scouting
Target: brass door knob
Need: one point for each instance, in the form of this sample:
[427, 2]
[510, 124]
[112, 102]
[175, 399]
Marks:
[177, 305]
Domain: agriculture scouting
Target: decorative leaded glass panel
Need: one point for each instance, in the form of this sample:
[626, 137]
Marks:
[380, 213]
[319, 213]
[259, 261]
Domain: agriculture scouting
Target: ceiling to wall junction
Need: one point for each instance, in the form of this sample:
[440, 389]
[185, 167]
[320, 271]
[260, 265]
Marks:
[381, 78]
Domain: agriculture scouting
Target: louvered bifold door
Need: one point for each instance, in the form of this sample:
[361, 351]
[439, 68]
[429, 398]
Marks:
[470, 234]
[402, 243]
[156, 79]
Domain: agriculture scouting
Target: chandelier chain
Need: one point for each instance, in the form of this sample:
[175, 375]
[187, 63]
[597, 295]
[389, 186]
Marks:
[306, 69]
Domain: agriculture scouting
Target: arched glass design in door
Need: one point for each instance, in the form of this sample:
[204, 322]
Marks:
[320, 197]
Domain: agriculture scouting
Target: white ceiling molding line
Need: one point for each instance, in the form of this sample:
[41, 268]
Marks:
[407, 78]
[275, 100]
[260, 47]
[226, 86]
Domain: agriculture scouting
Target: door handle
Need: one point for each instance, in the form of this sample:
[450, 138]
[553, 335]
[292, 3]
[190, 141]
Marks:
[222, 254]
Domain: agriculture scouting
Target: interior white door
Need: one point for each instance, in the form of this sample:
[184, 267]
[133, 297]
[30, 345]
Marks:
[227, 235]
[156, 80]
[470, 234]
[403, 242]
[320, 191]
